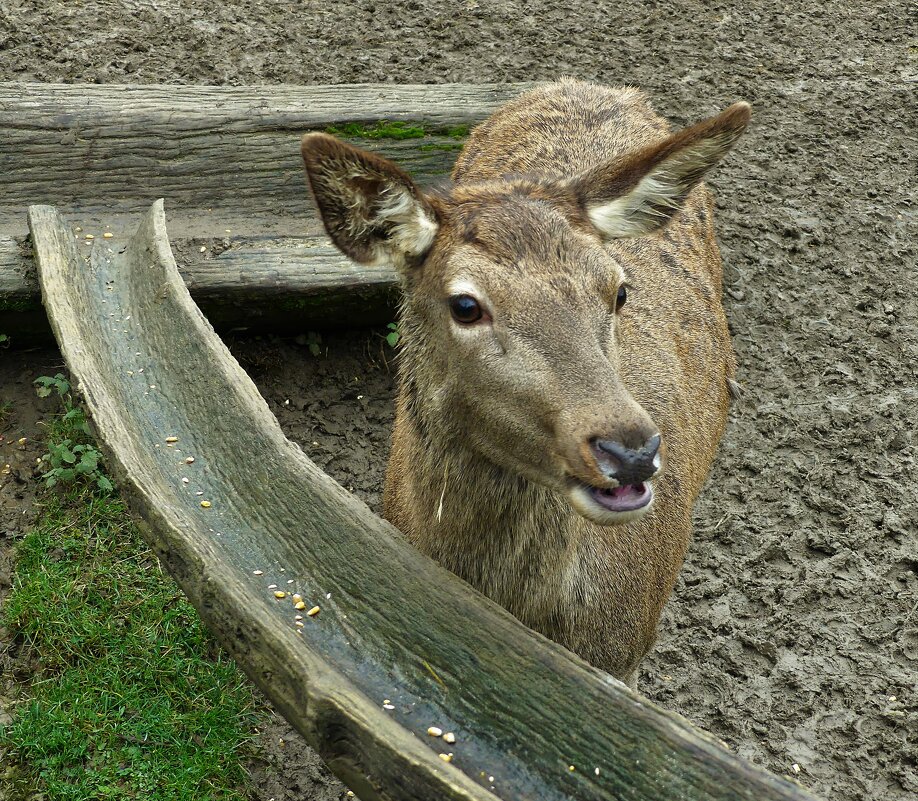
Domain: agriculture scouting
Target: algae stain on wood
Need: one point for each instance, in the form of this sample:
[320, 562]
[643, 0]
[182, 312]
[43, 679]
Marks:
[449, 139]
[395, 129]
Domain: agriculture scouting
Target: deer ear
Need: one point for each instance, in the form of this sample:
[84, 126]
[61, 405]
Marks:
[640, 194]
[371, 209]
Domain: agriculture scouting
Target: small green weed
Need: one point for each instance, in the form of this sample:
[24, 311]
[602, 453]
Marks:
[312, 340]
[4, 340]
[48, 384]
[71, 453]
[394, 334]
[67, 462]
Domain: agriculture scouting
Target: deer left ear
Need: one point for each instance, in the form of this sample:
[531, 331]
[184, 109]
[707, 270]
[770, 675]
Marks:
[640, 194]
[371, 209]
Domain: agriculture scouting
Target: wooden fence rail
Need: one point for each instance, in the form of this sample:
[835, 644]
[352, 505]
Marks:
[228, 161]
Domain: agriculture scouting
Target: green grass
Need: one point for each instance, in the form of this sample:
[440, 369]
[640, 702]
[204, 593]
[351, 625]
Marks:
[134, 700]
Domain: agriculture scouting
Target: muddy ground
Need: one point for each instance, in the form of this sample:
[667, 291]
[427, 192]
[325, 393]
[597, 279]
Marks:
[793, 633]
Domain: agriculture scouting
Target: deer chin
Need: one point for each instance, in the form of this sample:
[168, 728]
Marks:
[609, 506]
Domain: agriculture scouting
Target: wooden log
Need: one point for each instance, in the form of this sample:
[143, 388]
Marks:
[21, 315]
[225, 157]
[291, 284]
[228, 160]
[257, 284]
[18, 279]
[399, 644]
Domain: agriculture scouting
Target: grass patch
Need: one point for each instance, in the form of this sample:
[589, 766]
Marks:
[134, 700]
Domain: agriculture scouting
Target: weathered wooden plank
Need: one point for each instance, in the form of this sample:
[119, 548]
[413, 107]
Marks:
[291, 285]
[224, 157]
[399, 643]
[257, 284]
[280, 267]
[18, 280]
[21, 314]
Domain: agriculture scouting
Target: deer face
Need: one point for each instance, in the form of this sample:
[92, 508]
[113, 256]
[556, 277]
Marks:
[516, 314]
[514, 302]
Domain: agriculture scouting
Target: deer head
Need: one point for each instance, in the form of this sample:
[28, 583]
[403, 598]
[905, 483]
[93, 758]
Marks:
[514, 295]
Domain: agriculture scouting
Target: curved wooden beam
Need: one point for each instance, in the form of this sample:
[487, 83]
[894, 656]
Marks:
[398, 644]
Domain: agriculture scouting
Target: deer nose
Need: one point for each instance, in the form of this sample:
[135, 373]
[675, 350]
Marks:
[627, 465]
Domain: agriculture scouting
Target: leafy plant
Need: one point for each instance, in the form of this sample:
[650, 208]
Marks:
[4, 341]
[394, 334]
[67, 462]
[47, 385]
[313, 341]
[71, 454]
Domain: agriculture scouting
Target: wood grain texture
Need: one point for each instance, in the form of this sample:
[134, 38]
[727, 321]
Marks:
[393, 625]
[18, 279]
[285, 285]
[224, 157]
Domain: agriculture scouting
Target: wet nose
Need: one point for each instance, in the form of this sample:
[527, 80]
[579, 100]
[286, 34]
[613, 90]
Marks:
[627, 465]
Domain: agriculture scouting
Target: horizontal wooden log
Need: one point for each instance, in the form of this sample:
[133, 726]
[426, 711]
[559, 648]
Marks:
[399, 644]
[18, 278]
[228, 161]
[289, 285]
[225, 157]
[286, 285]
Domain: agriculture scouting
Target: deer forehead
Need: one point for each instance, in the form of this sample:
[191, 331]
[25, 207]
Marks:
[511, 249]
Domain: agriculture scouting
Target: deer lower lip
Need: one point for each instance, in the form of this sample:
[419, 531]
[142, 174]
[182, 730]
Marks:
[627, 498]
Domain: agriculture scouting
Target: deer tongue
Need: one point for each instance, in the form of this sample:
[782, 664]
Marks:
[622, 499]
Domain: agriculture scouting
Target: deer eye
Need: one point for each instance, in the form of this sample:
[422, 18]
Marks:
[465, 309]
[621, 297]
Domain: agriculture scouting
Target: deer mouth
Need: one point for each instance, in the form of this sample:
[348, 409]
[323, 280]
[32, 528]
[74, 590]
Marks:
[610, 505]
[623, 499]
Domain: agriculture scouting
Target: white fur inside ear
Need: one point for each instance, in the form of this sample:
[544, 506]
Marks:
[661, 192]
[633, 214]
[413, 228]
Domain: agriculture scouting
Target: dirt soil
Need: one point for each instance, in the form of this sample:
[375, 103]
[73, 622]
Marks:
[793, 632]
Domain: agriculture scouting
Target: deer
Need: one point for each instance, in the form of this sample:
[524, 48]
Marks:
[565, 367]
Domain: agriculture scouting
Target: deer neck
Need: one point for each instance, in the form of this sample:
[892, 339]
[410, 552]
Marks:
[512, 539]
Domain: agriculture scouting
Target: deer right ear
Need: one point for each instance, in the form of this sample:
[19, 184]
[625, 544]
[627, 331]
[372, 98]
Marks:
[640, 193]
[371, 209]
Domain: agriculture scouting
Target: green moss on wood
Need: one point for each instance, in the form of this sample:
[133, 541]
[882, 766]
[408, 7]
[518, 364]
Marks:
[448, 147]
[396, 130]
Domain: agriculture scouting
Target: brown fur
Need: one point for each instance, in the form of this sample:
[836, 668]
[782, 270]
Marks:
[491, 423]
